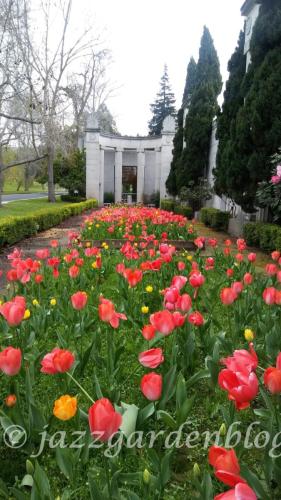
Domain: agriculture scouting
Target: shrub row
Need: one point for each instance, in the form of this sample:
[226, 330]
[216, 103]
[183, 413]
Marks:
[72, 199]
[173, 206]
[214, 218]
[13, 229]
[265, 236]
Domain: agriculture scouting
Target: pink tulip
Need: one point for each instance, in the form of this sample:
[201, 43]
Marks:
[10, 361]
[151, 358]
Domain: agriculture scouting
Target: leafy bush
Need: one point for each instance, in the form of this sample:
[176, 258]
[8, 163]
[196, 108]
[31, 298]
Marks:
[168, 205]
[13, 229]
[184, 210]
[72, 199]
[214, 218]
[263, 235]
[70, 172]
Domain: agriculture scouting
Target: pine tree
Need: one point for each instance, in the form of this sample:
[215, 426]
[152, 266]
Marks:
[255, 132]
[163, 106]
[190, 83]
[202, 110]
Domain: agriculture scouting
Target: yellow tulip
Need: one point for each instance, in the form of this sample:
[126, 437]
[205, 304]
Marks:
[65, 407]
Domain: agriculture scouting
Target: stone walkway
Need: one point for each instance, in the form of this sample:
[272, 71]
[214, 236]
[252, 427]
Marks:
[41, 240]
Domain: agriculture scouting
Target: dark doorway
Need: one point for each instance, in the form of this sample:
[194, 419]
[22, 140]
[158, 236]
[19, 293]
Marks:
[129, 184]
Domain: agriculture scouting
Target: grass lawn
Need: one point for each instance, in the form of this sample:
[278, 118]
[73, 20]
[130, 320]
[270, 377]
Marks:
[11, 188]
[24, 207]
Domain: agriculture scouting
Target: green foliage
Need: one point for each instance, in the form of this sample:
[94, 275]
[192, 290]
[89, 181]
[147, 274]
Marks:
[70, 172]
[190, 83]
[171, 182]
[72, 199]
[214, 218]
[269, 193]
[208, 67]
[196, 194]
[168, 205]
[13, 229]
[233, 100]
[184, 210]
[254, 130]
[263, 235]
[163, 106]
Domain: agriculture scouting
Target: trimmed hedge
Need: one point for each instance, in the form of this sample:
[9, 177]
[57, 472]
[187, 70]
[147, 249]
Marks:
[72, 199]
[263, 235]
[13, 229]
[214, 218]
[184, 210]
[168, 205]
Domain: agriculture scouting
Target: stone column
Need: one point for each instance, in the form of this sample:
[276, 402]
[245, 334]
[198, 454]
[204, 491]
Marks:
[140, 176]
[92, 164]
[118, 176]
[157, 169]
[101, 183]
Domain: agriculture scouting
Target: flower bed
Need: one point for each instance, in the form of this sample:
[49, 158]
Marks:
[140, 372]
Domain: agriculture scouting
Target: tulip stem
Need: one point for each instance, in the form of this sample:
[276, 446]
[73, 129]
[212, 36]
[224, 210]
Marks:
[80, 387]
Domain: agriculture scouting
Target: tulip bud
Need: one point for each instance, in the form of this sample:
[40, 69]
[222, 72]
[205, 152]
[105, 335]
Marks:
[146, 476]
[196, 470]
[29, 467]
[222, 430]
[11, 400]
[249, 335]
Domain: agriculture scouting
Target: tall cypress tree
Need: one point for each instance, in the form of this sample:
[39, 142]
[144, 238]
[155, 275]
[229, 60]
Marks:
[202, 110]
[163, 106]
[255, 133]
[233, 100]
[190, 82]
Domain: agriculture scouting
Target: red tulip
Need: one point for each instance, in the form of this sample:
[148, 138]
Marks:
[248, 278]
[242, 360]
[79, 300]
[108, 314]
[151, 386]
[275, 255]
[171, 294]
[133, 276]
[13, 311]
[184, 303]
[163, 322]
[148, 332]
[272, 377]
[151, 358]
[179, 281]
[229, 272]
[38, 278]
[10, 361]
[278, 297]
[196, 318]
[269, 295]
[179, 319]
[212, 242]
[43, 253]
[57, 361]
[196, 279]
[228, 296]
[252, 257]
[242, 387]
[241, 492]
[237, 287]
[271, 269]
[241, 244]
[73, 271]
[226, 465]
[181, 266]
[104, 421]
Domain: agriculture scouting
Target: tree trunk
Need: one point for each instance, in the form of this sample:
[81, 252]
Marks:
[51, 186]
[26, 178]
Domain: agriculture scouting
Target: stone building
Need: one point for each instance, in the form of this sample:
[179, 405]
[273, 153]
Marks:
[130, 169]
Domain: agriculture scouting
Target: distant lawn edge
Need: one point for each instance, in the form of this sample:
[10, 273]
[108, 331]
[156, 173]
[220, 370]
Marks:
[16, 228]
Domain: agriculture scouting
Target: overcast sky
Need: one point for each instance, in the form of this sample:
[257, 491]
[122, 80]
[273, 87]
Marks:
[143, 35]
